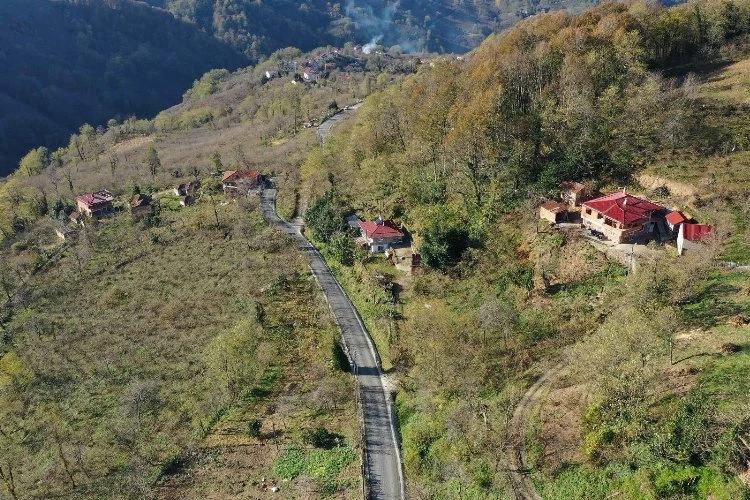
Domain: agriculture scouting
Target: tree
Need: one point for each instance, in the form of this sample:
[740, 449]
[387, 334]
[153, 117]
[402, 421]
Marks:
[14, 427]
[34, 162]
[497, 317]
[236, 359]
[324, 218]
[152, 160]
[342, 248]
[216, 162]
[443, 244]
[113, 163]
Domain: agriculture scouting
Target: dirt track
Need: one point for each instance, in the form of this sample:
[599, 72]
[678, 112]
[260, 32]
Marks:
[522, 488]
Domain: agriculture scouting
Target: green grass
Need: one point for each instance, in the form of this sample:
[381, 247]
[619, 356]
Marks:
[322, 465]
[658, 481]
[727, 380]
[126, 319]
[720, 297]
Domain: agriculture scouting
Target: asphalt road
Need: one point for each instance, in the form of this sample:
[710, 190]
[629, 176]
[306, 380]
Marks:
[384, 475]
[325, 128]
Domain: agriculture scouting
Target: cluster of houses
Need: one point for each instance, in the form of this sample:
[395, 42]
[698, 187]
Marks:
[623, 218]
[101, 204]
[312, 68]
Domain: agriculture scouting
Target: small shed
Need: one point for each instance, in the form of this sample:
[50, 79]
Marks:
[692, 236]
[553, 212]
[674, 219]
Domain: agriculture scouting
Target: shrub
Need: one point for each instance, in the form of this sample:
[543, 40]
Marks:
[324, 218]
[320, 437]
[253, 428]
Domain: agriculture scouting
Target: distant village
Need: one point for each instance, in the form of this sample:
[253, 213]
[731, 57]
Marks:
[621, 218]
[355, 61]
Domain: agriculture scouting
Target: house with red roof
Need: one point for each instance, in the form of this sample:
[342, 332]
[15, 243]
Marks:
[240, 182]
[380, 235]
[620, 216]
[96, 205]
[691, 236]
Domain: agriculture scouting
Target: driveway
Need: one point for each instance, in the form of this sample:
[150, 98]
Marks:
[384, 476]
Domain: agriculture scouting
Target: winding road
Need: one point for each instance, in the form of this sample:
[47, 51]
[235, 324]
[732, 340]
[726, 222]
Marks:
[384, 476]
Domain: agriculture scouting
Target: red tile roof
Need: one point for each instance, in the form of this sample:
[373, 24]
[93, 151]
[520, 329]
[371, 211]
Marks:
[623, 208]
[675, 217]
[385, 230]
[697, 232]
[232, 175]
[96, 198]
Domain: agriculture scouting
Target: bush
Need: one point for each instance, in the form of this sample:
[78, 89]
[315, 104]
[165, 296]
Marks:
[342, 248]
[325, 219]
[443, 245]
[340, 360]
[253, 428]
[321, 438]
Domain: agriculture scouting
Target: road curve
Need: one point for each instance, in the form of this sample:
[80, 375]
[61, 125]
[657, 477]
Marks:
[384, 475]
[324, 129]
[522, 488]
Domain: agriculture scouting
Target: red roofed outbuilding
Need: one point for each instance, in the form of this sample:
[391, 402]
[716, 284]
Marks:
[674, 219]
[619, 215]
[691, 235]
[380, 235]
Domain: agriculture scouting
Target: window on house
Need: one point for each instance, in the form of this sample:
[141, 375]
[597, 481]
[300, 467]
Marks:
[588, 211]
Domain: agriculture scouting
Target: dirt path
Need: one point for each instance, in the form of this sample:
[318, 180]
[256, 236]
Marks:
[519, 470]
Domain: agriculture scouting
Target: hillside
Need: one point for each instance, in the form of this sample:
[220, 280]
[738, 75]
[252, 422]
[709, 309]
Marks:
[644, 354]
[654, 362]
[415, 26]
[190, 325]
[65, 63]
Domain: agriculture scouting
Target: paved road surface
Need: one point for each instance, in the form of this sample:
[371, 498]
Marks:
[325, 128]
[382, 454]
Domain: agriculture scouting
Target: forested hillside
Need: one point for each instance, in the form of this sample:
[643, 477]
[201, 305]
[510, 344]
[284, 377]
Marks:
[416, 26]
[653, 396]
[66, 62]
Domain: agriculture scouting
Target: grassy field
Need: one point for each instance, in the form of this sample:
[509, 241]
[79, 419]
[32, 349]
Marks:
[125, 342]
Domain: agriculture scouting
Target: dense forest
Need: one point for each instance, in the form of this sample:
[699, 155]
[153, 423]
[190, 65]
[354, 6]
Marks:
[416, 26]
[86, 60]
